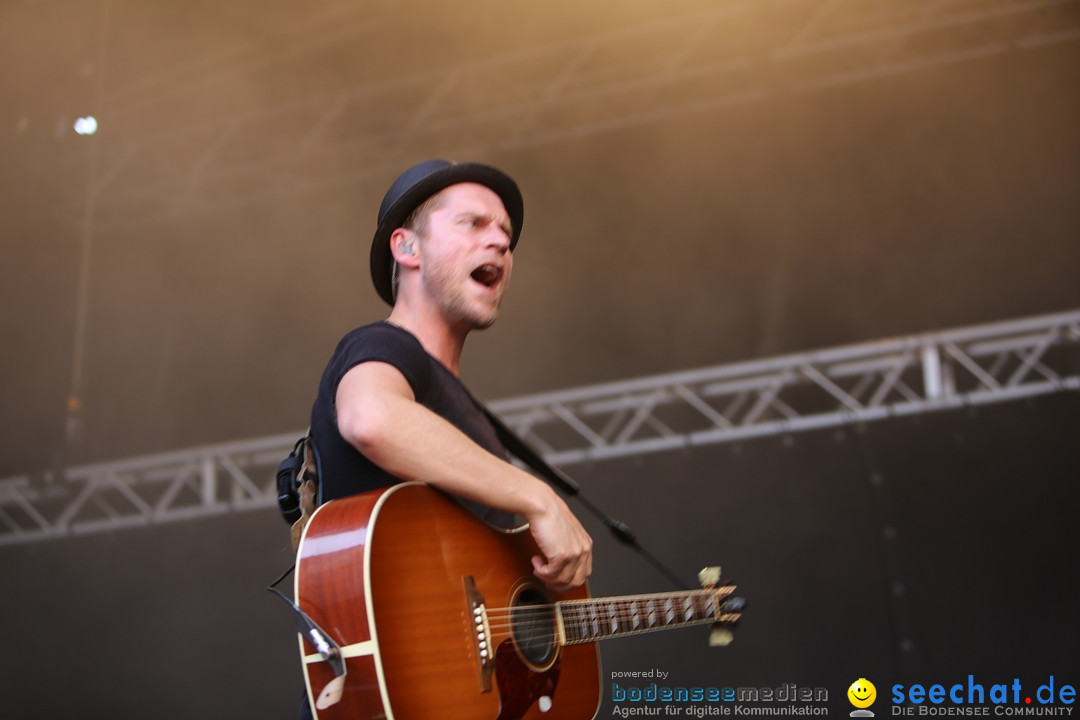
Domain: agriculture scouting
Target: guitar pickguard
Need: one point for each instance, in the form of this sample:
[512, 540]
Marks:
[519, 686]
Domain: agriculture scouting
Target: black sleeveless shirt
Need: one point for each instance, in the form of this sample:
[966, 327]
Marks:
[343, 470]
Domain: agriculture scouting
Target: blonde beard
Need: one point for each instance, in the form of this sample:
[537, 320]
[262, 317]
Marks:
[452, 301]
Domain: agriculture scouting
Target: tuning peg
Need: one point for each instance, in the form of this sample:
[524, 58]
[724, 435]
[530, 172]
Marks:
[731, 610]
[709, 577]
[733, 605]
[721, 636]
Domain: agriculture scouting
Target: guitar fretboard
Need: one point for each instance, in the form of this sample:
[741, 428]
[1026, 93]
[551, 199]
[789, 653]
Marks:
[600, 618]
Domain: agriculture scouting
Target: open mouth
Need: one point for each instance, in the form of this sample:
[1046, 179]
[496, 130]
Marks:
[487, 275]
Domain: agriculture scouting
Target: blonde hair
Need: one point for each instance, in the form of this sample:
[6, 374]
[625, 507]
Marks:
[417, 222]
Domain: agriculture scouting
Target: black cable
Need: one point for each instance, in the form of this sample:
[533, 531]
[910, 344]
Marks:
[527, 454]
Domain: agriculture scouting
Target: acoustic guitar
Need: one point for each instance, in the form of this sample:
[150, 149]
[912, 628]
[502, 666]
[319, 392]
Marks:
[420, 611]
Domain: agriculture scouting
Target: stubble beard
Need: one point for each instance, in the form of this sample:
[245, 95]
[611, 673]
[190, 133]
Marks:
[452, 299]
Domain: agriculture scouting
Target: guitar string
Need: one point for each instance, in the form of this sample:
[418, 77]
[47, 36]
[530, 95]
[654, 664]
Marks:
[531, 617]
[656, 613]
[580, 633]
[601, 631]
[624, 602]
[541, 612]
[601, 612]
[602, 625]
[526, 621]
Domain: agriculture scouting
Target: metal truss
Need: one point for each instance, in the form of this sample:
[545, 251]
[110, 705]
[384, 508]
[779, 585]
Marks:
[732, 54]
[783, 395]
[154, 489]
[795, 393]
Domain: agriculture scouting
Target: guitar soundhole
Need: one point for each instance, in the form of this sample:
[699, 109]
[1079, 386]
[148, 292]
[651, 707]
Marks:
[532, 623]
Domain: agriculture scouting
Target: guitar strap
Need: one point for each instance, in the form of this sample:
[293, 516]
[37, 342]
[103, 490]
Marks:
[309, 490]
[298, 486]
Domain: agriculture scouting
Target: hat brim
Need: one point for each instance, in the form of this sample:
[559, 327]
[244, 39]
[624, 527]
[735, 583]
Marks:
[496, 180]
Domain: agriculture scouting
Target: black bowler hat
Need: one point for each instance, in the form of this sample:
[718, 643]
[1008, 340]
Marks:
[416, 185]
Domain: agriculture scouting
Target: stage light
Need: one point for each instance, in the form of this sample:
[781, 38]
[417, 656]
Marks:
[86, 125]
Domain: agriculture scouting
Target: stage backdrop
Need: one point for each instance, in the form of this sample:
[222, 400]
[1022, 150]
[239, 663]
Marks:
[918, 550]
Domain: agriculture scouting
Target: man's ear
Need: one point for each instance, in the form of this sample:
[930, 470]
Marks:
[404, 248]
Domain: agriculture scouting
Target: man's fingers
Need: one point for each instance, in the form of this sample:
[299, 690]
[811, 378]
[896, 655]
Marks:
[565, 559]
[564, 575]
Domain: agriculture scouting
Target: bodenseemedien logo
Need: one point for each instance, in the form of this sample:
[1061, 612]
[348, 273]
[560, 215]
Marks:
[662, 699]
[862, 694]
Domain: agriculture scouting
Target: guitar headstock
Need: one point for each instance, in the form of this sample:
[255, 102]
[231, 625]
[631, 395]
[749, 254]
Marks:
[730, 608]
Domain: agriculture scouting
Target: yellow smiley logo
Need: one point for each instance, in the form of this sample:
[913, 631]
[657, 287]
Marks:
[862, 693]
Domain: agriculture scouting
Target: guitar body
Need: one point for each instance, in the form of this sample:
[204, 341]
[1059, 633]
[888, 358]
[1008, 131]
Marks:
[396, 577]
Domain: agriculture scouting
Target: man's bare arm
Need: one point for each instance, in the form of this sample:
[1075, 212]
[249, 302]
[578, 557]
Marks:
[379, 416]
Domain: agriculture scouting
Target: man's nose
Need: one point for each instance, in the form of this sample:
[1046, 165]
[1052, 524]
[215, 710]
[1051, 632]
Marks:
[497, 238]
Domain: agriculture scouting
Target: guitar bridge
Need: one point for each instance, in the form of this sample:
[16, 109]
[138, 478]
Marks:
[480, 632]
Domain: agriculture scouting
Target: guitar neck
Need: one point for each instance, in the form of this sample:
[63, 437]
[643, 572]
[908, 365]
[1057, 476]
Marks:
[583, 621]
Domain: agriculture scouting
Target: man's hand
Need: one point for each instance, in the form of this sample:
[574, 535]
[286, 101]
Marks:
[566, 546]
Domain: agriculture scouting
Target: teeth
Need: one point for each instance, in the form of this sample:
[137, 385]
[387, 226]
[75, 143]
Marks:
[486, 274]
